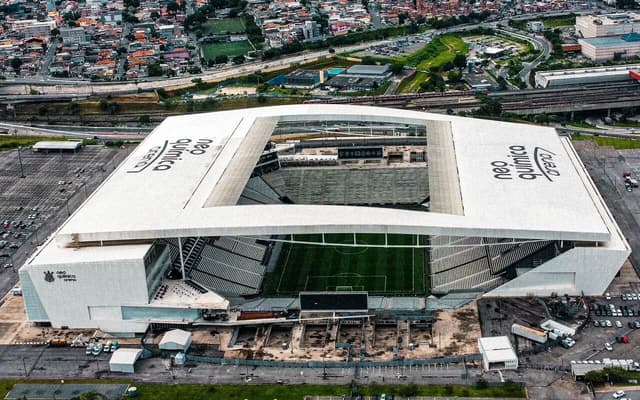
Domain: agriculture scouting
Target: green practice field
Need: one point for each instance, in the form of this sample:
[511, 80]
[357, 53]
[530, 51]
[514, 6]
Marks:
[222, 26]
[378, 270]
[231, 49]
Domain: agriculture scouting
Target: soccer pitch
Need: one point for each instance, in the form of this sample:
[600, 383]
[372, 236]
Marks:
[231, 49]
[222, 26]
[378, 270]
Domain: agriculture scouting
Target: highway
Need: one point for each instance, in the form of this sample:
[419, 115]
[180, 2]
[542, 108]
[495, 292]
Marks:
[81, 132]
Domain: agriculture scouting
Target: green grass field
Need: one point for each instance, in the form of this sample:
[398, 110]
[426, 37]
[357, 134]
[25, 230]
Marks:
[11, 142]
[616, 143]
[374, 269]
[231, 49]
[554, 22]
[222, 26]
[284, 392]
[436, 53]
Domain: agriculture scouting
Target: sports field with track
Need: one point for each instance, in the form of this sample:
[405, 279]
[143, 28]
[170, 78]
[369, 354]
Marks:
[378, 270]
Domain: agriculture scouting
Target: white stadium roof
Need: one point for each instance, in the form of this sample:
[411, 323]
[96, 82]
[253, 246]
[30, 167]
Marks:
[513, 180]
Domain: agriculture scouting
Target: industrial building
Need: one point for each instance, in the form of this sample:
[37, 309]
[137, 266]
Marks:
[497, 353]
[302, 79]
[195, 217]
[611, 47]
[618, 24]
[359, 77]
[581, 76]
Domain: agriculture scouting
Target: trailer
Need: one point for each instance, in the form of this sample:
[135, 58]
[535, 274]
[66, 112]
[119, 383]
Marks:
[529, 333]
[550, 325]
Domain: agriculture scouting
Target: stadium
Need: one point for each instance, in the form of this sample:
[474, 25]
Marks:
[337, 209]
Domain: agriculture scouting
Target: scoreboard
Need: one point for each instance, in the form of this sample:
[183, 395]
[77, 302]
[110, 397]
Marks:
[360, 153]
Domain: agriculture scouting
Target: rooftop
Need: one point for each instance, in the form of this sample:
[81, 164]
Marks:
[609, 41]
[510, 180]
[496, 348]
[368, 70]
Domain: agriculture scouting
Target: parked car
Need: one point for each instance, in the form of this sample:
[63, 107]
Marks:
[97, 349]
[608, 346]
[618, 394]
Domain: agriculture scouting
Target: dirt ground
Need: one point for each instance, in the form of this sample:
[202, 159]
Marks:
[236, 90]
[454, 333]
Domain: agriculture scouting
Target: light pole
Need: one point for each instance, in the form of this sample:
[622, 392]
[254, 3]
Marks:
[20, 160]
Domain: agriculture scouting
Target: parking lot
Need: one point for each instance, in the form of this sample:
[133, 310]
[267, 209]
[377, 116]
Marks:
[32, 207]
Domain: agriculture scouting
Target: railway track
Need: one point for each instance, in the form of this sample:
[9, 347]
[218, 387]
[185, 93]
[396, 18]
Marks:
[585, 97]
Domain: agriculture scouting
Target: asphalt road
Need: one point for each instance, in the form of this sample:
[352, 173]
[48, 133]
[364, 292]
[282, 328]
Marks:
[608, 395]
[40, 362]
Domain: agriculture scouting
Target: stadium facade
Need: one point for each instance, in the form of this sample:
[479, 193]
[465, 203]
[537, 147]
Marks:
[192, 221]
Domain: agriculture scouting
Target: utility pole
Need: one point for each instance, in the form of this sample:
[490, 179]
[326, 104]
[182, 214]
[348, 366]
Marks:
[20, 160]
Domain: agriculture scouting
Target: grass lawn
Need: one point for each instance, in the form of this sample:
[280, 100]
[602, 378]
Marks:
[617, 143]
[11, 142]
[226, 25]
[554, 22]
[231, 49]
[436, 53]
[627, 124]
[374, 269]
[412, 85]
[290, 392]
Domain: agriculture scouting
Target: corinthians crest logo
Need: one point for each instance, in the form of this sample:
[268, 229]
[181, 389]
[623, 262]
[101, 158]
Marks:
[48, 276]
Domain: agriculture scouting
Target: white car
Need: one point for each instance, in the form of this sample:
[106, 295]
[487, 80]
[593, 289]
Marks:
[618, 394]
[607, 296]
[618, 324]
[610, 348]
[608, 323]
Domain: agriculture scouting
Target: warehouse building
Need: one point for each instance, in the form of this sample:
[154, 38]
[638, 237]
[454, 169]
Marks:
[581, 76]
[611, 47]
[497, 353]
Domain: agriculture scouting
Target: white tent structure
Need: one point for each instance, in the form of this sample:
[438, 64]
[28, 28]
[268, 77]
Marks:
[123, 360]
[176, 339]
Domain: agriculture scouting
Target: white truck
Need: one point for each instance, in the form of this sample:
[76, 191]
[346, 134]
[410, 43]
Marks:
[529, 333]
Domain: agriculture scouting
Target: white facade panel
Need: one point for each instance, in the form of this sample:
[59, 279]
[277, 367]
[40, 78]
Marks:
[88, 295]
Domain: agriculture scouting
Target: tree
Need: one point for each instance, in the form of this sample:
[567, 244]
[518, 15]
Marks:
[490, 107]
[238, 59]
[55, 32]
[541, 119]
[16, 63]
[173, 7]
[155, 15]
[460, 61]
[454, 76]
[409, 390]
[144, 119]
[154, 69]
[368, 60]
[262, 99]
[397, 68]
[221, 59]
[482, 384]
